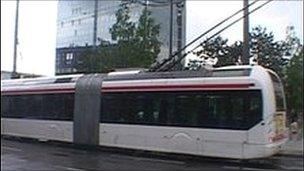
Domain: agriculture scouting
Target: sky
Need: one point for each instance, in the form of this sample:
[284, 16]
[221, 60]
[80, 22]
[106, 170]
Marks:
[37, 27]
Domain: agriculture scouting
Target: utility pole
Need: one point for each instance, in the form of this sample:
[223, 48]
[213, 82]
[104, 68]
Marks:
[245, 56]
[179, 20]
[95, 25]
[14, 73]
[94, 34]
[171, 29]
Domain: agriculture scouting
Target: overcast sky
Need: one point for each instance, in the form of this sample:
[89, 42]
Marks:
[37, 28]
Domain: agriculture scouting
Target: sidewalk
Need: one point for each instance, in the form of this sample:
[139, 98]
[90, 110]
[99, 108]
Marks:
[293, 147]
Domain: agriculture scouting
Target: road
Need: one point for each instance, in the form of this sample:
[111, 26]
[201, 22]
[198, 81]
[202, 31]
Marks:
[25, 155]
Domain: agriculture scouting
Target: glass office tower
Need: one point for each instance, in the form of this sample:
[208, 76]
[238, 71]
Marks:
[76, 31]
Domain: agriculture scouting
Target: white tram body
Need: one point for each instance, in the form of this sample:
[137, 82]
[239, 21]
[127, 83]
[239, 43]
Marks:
[191, 134]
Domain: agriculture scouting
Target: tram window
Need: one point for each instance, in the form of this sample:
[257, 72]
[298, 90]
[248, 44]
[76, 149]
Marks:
[46, 106]
[68, 107]
[171, 117]
[35, 105]
[219, 106]
[186, 110]
[53, 106]
[112, 109]
[237, 111]
[130, 108]
[209, 109]
[254, 110]
[5, 106]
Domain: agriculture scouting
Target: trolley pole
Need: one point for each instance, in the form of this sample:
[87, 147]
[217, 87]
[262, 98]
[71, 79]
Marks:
[14, 73]
[245, 56]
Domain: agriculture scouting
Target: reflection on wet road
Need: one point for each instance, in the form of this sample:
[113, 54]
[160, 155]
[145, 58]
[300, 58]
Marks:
[24, 155]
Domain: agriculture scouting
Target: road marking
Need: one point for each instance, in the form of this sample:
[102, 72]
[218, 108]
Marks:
[10, 148]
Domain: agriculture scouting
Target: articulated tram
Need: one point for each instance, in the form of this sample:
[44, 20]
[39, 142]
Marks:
[234, 112]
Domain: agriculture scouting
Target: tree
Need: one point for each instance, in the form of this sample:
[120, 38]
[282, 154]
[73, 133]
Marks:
[270, 54]
[294, 46]
[294, 85]
[84, 61]
[123, 31]
[103, 59]
[147, 43]
[136, 43]
[216, 49]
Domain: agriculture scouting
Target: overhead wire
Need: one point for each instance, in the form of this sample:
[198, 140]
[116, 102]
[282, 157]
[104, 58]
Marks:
[203, 34]
[235, 21]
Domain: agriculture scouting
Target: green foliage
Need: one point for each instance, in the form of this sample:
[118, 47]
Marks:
[217, 48]
[101, 60]
[123, 29]
[294, 85]
[270, 53]
[194, 65]
[147, 44]
[137, 44]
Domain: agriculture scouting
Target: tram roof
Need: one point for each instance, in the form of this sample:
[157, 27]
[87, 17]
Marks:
[218, 72]
[228, 71]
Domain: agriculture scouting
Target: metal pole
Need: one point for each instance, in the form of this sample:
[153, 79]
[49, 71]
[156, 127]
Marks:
[14, 73]
[171, 29]
[94, 35]
[95, 24]
[179, 31]
[245, 56]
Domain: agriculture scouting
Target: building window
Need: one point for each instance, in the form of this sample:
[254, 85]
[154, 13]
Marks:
[72, 22]
[79, 21]
[75, 32]
[69, 57]
[76, 10]
[62, 23]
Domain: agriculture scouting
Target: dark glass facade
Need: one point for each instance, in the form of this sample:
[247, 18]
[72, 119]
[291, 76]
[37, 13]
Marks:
[75, 26]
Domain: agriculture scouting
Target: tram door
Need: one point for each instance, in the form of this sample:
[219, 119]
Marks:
[87, 110]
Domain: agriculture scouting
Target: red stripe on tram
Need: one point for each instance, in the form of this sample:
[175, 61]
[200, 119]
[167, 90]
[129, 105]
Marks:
[175, 87]
[134, 88]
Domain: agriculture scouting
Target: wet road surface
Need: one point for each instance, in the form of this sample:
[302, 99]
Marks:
[28, 155]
